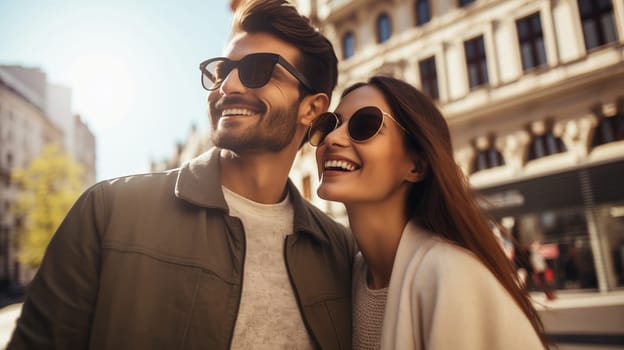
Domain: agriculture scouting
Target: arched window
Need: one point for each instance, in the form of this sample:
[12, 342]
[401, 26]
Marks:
[348, 45]
[544, 142]
[610, 129]
[488, 156]
[384, 28]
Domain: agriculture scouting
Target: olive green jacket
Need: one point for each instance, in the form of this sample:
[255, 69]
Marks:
[155, 262]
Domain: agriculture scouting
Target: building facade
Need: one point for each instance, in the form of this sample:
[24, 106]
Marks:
[533, 92]
[27, 104]
[84, 151]
[195, 144]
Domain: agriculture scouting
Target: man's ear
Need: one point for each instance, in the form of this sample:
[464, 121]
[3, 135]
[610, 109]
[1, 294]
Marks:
[418, 171]
[312, 106]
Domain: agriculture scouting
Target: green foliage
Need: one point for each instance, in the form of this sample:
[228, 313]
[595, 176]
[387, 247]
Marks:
[48, 187]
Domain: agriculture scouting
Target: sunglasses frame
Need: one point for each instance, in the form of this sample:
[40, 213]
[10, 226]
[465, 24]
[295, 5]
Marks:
[337, 124]
[277, 59]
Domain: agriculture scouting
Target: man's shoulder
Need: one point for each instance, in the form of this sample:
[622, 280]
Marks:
[137, 186]
[325, 220]
[336, 234]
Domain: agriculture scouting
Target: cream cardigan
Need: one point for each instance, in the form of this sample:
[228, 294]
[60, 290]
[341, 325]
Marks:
[441, 297]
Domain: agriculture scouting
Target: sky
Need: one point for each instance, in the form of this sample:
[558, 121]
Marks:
[132, 67]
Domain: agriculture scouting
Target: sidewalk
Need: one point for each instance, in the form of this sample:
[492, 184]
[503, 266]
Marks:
[577, 300]
[584, 321]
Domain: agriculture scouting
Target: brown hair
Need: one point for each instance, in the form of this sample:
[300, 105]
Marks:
[443, 201]
[318, 62]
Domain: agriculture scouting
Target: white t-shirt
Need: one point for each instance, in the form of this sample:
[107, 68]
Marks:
[268, 316]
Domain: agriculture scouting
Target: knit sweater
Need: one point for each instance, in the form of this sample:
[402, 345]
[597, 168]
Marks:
[368, 309]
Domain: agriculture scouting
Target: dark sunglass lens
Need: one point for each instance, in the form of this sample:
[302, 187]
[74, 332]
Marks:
[321, 126]
[214, 73]
[256, 70]
[365, 123]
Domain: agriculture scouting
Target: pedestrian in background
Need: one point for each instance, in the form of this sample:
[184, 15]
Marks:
[223, 252]
[431, 274]
[542, 275]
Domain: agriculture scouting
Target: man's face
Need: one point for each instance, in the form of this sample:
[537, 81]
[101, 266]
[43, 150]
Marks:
[260, 119]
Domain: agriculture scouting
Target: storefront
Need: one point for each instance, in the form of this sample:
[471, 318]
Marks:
[575, 217]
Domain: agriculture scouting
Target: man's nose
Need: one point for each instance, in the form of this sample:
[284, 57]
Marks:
[232, 83]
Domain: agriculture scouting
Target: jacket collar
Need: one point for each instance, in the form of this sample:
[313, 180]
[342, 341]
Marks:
[199, 183]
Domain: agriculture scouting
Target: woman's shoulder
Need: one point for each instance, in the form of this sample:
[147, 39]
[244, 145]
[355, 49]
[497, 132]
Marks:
[444, 258]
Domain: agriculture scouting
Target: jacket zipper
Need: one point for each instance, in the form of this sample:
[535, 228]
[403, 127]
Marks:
[240, 295]
[292, 284]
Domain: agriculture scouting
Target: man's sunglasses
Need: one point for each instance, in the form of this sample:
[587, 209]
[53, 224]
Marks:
[254, 70]
[363, 125]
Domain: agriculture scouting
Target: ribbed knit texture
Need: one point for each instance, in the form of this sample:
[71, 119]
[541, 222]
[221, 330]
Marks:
[368, 309]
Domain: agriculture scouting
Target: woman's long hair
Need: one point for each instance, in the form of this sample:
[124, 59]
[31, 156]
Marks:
[443, 201]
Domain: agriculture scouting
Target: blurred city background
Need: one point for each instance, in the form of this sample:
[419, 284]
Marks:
[533, 91]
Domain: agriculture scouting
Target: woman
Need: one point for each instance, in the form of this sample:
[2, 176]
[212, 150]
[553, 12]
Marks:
[431, 274]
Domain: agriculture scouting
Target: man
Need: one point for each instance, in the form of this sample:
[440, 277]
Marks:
[223, 252]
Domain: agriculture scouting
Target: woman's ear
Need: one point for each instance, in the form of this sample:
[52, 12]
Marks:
[419, 170]
[311, 107]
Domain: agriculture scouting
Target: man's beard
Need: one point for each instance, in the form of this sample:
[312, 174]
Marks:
[272, 133]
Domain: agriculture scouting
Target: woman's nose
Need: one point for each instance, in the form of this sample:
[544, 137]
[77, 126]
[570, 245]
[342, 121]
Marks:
[338, 136]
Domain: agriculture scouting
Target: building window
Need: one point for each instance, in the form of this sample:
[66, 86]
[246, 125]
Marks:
[429, 77]
[307, 187]
[598, 22]
[348, 45]
[476, 61]
[384, 28]
[544, 142]
[531, 41]
[463, 3]
[488, 156]
[610, 129]
[423, 12]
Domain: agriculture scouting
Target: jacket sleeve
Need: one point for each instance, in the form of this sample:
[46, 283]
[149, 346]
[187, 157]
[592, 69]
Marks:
[463, 306]
[59, 303]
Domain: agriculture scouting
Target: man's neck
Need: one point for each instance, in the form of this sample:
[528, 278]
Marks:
[260, 177]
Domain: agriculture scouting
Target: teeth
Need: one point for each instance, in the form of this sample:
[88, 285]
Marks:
[237, 111]
[339, 164]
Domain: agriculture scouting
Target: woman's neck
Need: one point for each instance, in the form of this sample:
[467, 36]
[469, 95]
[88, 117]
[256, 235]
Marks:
[377, 230]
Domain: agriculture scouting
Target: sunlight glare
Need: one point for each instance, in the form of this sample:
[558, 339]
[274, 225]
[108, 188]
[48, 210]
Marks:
[103, 89]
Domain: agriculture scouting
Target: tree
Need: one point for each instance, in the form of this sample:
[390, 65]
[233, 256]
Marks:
[47, 188]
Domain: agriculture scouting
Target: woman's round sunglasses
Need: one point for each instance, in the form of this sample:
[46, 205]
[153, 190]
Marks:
[254, 70]
[363, 125]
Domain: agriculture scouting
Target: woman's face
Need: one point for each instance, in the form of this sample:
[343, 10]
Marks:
[375, 170]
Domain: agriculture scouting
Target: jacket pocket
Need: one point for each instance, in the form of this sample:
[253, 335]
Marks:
[144, 301]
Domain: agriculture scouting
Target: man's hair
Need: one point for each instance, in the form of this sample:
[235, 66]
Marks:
[318, 62]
